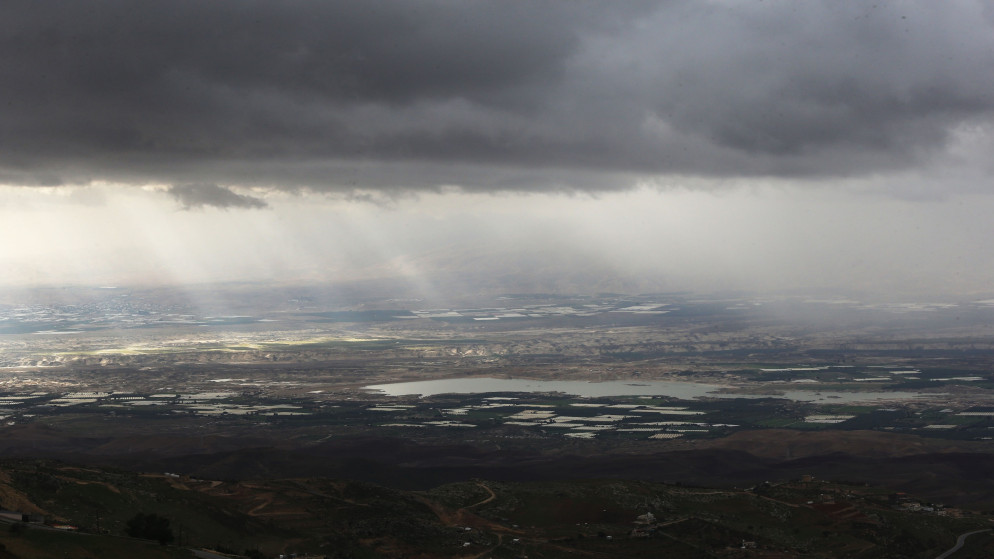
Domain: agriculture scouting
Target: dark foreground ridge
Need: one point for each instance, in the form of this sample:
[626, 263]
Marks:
[957, 474]
[53, 508]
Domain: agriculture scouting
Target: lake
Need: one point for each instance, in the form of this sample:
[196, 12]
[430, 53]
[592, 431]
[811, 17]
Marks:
[674, 389]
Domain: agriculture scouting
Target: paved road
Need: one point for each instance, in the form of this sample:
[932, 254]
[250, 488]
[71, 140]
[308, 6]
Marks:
[959, 543]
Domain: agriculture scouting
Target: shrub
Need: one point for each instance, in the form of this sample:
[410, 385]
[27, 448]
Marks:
[150, 527]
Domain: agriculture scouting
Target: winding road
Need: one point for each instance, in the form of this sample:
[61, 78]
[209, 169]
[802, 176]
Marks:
[960, 541]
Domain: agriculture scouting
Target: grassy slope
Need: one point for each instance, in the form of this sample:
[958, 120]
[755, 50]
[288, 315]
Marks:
[47, 544]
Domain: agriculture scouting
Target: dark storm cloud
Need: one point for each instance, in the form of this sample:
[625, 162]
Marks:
[484, 95]
[201, 195]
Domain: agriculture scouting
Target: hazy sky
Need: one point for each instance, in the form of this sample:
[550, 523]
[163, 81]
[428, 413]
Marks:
[560, 145]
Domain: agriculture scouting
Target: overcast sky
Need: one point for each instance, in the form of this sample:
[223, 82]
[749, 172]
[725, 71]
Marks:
[560, 145]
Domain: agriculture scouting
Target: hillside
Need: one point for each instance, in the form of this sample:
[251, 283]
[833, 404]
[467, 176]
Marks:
[605, 518]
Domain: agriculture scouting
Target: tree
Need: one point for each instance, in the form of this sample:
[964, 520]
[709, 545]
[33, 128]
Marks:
[150, 527]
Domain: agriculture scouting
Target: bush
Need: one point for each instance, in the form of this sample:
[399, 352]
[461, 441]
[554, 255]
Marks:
[150, 527]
